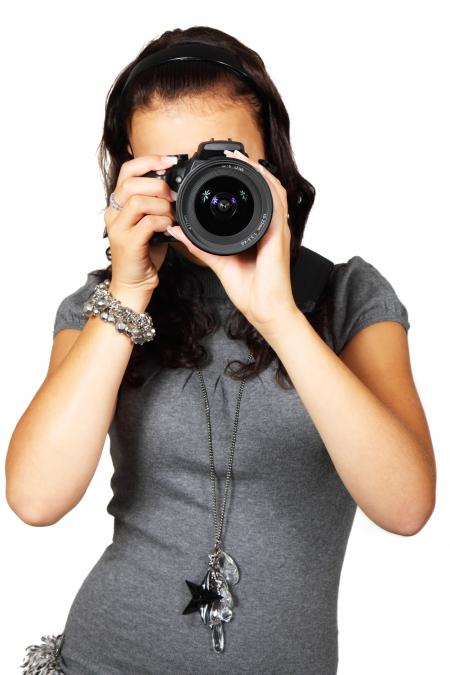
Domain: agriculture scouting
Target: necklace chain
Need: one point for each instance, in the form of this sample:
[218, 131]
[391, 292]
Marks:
[213, 475]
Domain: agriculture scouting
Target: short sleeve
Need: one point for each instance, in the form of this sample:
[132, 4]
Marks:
[361, 296]
[70, 311]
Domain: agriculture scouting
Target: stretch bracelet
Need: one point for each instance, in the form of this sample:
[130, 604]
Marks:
[138, 327]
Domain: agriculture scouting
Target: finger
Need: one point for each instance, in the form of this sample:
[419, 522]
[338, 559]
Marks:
[143, 185]
[139, 165]
[146, 185]
[138, 206]
[148, 225]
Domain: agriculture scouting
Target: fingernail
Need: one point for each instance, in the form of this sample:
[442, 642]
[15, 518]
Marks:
[169, 158]
[171, 231]
[240, 154]
[174, 194]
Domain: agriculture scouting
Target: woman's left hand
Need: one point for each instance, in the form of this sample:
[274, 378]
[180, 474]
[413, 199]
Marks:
[257, 281]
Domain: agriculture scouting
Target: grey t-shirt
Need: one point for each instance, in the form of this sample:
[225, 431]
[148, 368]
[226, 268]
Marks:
[287, 522]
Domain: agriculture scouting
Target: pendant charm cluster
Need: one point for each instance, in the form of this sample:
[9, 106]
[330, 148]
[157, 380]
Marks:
[212, 598]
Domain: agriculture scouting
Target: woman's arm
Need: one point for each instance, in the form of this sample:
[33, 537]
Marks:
[57, 443]
[366, 409]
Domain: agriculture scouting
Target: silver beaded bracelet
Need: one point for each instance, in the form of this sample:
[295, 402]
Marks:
[138, 327]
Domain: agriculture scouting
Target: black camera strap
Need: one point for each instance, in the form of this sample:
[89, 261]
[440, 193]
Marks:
[309, 277]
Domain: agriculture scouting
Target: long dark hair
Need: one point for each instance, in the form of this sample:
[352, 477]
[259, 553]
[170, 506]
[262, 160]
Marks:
[182, 322]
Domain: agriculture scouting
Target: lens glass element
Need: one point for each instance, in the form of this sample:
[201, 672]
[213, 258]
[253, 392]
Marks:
[224, 205]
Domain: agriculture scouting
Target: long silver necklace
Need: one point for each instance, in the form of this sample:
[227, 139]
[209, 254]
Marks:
[212, 597]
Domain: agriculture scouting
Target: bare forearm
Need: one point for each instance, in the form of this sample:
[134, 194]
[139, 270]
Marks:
[57, 443]
[379, 460]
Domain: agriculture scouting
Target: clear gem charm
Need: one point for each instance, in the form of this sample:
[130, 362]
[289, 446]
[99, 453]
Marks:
[228, 568]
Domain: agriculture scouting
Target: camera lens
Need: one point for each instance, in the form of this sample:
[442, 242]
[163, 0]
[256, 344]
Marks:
[224, 205]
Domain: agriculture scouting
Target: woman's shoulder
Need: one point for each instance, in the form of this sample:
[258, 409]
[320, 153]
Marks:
[358, 277]
[360, 295]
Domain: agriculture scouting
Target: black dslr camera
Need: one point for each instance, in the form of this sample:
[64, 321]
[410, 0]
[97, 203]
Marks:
[223, 205]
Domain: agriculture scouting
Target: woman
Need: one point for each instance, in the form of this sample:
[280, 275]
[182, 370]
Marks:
[329, 417]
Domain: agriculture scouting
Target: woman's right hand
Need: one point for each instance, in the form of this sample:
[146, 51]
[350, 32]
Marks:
[147, 208]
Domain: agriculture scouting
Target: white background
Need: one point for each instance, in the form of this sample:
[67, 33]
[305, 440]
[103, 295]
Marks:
[367, 89]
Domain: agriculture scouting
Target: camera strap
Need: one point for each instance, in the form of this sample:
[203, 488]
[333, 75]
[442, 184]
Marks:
[309, 277]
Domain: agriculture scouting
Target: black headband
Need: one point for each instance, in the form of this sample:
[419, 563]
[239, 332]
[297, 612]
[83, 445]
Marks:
[193, 51]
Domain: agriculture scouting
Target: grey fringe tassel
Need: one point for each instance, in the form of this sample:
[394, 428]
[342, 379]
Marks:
[44, 659]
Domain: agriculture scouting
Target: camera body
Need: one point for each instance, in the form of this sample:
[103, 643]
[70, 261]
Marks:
[223, 205]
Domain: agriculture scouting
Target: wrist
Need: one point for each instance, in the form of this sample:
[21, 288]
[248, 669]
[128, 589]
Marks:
[137, 300]
[271, 330]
